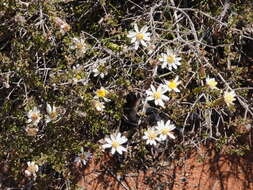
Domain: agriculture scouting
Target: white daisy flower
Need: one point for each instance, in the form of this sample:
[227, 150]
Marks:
[98, 105]
[157, 95]
[164, 130]
[79, 45]
[139, 36]
[170, 60]
[172, 85]
[229, 97]
[96, 73]
[34, 116]
[83, 158]
[31, 169]
[102, 93]
[99, 69]
[151, 136]
[115, 142]
[52, 113]
[211, 83]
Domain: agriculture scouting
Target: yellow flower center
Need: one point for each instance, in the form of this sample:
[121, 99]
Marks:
[139, 36]
[165, 131]
[157, 95]
[35, 116]
[152, 135]
[101, 92]
[32, 168]
[115, 144]
[172, 84]
[79, 45]
[229, 98]
[212, 83]
[171, 59]
[53, 115]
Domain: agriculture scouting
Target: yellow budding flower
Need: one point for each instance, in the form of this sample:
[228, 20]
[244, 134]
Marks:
[211, 83]
[229, 97]
[102, 93]
[172, 85]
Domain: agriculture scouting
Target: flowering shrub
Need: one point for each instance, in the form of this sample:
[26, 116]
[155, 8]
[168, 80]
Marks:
[77, 80]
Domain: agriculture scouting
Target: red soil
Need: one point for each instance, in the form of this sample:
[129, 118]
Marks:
[203, 170]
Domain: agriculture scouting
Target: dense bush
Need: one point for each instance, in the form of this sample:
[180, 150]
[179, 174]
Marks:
[60, 52]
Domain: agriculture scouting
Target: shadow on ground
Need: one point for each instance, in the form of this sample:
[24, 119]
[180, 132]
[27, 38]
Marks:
[202, 170]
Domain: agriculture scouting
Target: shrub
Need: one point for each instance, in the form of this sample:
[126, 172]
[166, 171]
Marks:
[60, 52]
